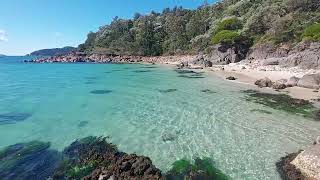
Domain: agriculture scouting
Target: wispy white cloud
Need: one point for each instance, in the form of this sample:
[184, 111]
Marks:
[3, 35]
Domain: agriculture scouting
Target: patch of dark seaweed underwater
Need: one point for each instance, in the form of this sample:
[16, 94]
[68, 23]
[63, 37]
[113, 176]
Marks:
[33, 160]
[12, 118]
[83, 124]
[285, 103]
[101, 92]
[142, 71]
[208, 91]
[167, 90]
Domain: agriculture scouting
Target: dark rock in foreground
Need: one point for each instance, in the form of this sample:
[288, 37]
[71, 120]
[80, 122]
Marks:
[287, 170]
[93, 158]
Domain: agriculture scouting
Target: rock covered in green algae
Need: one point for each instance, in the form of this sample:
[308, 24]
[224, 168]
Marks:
[33, 160]
[95, 158]
[202, 169]
[285, 103]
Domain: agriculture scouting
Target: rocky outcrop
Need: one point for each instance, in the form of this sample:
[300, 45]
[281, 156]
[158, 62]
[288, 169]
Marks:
[223, 54]
[287, 170]
[305, 55]
[95, 159]
[293, 81]
[265, 82]
[280, 84]
[308, 162]
[311, 81]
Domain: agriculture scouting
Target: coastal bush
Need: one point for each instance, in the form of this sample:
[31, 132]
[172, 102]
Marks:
[312, 32]
[229, 24]
[226, 36]
[184, 31]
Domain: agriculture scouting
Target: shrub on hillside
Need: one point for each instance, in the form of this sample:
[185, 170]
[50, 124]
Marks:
[226, 36]
[312, 32]
[229, 24]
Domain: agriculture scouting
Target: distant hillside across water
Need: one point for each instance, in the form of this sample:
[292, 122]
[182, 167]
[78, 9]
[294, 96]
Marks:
[53, 52]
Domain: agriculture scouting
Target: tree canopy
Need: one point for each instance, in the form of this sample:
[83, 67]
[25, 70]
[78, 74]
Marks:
[183, 31]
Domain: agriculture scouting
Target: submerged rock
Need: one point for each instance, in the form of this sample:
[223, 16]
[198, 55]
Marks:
[100, 91]
[208, 91]
[167, 90]
[265, 82]
[32, 160]
[141, 71]
[11, 118]
[83, 123]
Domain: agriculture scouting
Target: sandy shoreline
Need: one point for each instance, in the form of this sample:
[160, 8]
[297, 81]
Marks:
[248, 74]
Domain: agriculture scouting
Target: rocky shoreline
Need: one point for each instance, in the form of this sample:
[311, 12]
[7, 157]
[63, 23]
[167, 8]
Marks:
[93, 158]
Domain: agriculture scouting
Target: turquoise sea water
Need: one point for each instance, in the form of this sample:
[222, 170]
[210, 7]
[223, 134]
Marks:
[148, 110]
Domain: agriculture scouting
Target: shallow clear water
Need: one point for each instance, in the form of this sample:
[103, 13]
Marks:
[136, 108]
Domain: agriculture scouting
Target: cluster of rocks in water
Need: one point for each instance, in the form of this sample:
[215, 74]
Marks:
[93, 158]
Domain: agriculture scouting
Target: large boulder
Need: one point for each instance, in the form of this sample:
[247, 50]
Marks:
[223, 54]
[280, 84]
[293, 81]
[311, 81]
[308, 162]
[305, 55]
[265, 82]
[271, 61]
[201, 61]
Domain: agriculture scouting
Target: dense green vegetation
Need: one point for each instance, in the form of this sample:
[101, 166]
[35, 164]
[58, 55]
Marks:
[53, 52]
[312, 32]
[183, 31]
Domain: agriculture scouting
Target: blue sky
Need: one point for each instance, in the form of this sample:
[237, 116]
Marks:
[28, 25]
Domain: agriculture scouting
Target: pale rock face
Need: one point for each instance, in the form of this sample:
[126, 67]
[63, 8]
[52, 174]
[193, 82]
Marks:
[308, 162]
[265, 82]
[311, 81]
[293, 81]
[280, 84]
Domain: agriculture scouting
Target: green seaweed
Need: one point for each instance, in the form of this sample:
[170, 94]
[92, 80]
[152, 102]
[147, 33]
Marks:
[78, 172]
[181, 166]
[202, 167]
[206, 165]
[261, 111]
[285, 103]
